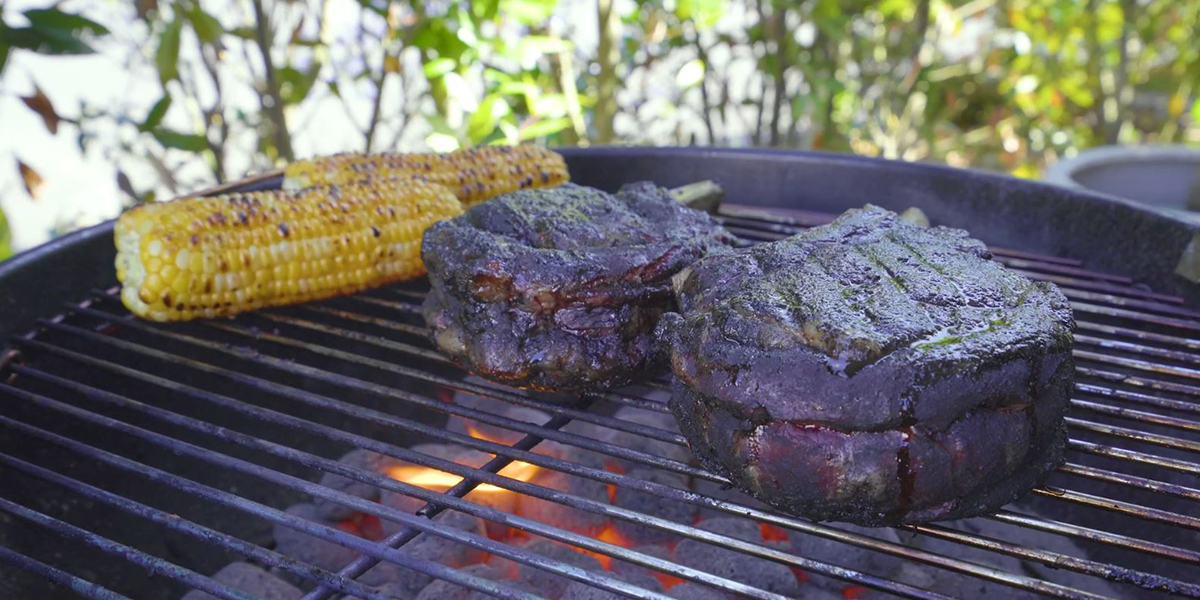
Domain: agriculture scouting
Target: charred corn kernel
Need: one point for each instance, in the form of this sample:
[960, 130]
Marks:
[474, 175]
[222, 255]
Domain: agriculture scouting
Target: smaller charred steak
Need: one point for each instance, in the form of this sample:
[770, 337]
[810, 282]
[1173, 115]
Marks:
[871, 371]
[560, 289]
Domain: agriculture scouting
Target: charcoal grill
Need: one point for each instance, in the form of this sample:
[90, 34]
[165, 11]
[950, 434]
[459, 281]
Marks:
[136, 459]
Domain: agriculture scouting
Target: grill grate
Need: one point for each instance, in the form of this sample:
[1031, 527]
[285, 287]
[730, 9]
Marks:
[335, 376]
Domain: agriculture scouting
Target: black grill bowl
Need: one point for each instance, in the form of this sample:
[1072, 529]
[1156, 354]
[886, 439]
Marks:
[1135, 422]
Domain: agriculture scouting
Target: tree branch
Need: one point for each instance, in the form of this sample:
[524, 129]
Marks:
[705, 102]
[272, 102]
[215, 114]
[607, 55]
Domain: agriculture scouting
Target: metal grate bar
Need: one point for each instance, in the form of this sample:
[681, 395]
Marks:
[1079, 565]
[394, 394]
[1087, 355]
[152, 564]
[1137, 348]
[1161, 487]
[424, 460]
[361, 564]
[80, 586]
[358, 336]
[1134, 315]
[1136, 381]
[1135, 397]
[605, 472]
[1109, 451]
[606, 448]
[1128, 508]
[1140, 365]
[1148, 336]
[461, 470]
[1110, 297]
[1094, 535]
[1146, 513]
[196, 531]
[341, 538]
[680, 495]
[1165, 441]
[1136, 415]
[424, 525]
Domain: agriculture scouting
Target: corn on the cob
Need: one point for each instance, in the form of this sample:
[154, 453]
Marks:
[474, 175]
[218, 256]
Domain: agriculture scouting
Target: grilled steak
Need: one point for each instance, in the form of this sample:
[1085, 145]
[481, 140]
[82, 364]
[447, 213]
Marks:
[871, 371]
[560, 289]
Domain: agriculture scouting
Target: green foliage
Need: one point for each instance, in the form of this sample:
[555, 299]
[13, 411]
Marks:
[179, 140]
[156, 114]
[166, 58]
[207, 27]
[50, 31]
[5, 238]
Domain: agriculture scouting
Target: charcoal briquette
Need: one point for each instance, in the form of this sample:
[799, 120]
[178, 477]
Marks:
[252, 580]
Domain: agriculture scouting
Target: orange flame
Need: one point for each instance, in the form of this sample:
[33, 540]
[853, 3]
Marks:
[433, 479]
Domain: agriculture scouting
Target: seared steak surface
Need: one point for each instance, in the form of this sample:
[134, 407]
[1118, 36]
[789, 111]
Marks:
[560, 289]
[871, 371]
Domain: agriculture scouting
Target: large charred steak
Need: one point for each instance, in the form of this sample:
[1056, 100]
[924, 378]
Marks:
[560, 289]
[871, 371]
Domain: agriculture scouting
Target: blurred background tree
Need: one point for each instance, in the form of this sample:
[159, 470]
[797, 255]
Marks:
[211, 90]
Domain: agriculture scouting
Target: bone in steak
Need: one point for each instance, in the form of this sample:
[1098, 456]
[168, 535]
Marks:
[871, 371]
[560, 289]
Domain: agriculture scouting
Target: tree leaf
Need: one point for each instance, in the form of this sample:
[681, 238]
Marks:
[180, 141]
[41, 105]
[5, 237]
[156, 114]
[704, 13]
[53, 18]
[207, 27]
[3, 50]
[1196, 112]
[544, 128]
[484, 120]
[528, 12]
[126, 186]
[167, 56]
[439, 67]
[246, 33]
[32, 180]
[45, 41]
[294, 85]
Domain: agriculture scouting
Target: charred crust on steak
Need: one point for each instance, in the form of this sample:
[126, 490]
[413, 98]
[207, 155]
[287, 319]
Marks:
[871, 371]
[560, 289]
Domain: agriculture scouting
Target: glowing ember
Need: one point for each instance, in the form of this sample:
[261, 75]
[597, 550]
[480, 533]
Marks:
[611, 536]
[772, 533]
[851, 592]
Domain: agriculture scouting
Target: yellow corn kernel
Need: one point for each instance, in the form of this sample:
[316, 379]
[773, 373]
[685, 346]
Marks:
[475, 175]
[222, 255]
